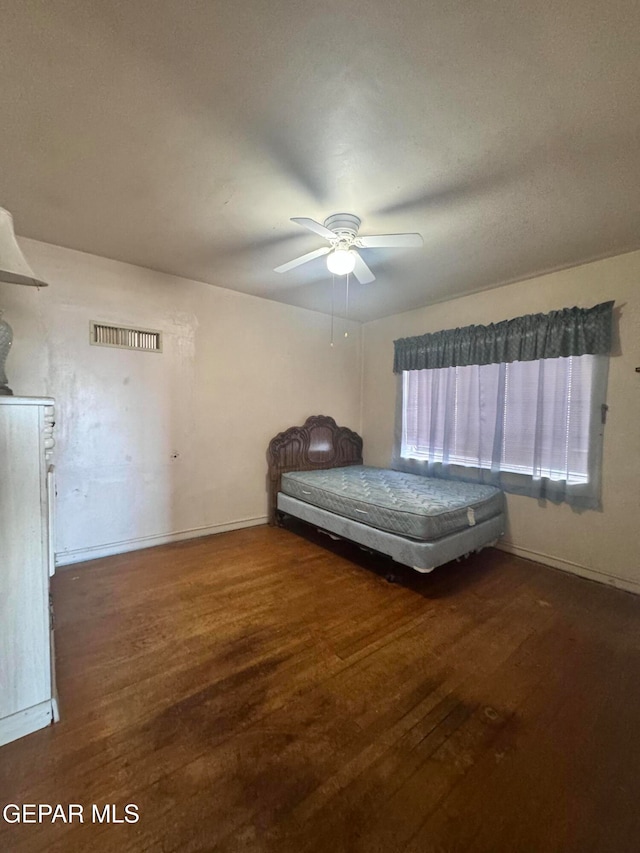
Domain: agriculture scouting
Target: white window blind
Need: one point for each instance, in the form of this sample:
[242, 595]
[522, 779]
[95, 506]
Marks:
[529, 417]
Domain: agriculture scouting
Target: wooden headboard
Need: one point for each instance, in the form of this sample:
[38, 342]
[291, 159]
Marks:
[318, 443]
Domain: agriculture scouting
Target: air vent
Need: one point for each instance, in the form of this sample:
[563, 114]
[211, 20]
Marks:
[125, 337]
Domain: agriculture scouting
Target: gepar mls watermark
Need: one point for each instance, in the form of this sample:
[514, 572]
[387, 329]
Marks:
[70, 813]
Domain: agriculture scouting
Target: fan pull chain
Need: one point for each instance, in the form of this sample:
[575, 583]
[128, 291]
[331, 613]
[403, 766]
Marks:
[333, 290]
[346, 308]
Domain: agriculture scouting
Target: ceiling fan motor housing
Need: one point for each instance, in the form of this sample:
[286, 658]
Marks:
[344, 225]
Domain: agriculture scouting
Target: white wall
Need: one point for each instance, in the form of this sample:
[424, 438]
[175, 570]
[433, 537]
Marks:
[235, 370]
[604, 545]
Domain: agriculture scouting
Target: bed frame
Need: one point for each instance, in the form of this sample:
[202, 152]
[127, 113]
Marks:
[320, 443]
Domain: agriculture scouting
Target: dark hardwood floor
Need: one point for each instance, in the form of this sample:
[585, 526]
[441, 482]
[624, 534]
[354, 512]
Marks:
[266, 691]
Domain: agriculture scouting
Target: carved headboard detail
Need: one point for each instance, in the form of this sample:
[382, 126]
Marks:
[318, 443]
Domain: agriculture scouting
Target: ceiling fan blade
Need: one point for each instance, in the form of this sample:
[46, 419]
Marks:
[310, 256]
[391, 241]
[314, 226]
[362, 271]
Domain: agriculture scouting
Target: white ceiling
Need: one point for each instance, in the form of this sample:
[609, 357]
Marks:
[181, 135]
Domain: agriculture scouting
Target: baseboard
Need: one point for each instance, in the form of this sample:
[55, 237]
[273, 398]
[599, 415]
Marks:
[24, 722]
[568, 566]
[95, 552]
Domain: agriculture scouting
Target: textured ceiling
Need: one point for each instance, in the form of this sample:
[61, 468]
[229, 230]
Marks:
[182, 135]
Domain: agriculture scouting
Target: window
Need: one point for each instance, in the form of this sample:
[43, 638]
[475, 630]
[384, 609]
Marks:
[531, 418]
[518, 403]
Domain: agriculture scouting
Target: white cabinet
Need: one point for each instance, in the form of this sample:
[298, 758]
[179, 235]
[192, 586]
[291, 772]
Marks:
[27, 490]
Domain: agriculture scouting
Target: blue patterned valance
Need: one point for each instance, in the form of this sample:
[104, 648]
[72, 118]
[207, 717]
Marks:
[571, 331]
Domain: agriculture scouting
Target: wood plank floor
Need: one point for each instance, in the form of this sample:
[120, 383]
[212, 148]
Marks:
[264, 690]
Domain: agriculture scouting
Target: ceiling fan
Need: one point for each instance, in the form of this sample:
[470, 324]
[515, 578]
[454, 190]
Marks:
[341, 231]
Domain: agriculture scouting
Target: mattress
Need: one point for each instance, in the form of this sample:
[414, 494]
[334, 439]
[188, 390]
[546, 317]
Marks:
[421, 508]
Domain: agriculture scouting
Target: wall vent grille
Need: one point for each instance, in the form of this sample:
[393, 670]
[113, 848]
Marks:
[126, 337]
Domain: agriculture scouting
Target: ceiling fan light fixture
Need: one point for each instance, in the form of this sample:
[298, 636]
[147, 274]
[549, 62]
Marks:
[341, 232]
[341, 261]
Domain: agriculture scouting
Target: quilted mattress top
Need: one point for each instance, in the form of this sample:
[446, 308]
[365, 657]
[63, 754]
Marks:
[423, 508]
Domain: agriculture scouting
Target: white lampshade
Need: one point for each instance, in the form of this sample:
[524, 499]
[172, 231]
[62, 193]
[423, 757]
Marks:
[13, 266]
[341, 262]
